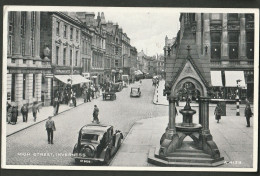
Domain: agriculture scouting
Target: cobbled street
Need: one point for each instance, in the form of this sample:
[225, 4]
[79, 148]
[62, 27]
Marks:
[30, 146]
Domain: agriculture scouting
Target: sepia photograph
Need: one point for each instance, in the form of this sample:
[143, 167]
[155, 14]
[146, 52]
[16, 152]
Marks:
[123, 88]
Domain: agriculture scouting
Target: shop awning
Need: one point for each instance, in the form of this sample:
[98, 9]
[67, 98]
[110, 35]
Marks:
[138, 72]
[76, 79]
[233, 76]
[216, 79]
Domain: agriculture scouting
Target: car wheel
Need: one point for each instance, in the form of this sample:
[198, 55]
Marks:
[107, 157]
[119, 143]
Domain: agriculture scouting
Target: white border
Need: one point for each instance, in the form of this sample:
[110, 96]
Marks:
[133, 9]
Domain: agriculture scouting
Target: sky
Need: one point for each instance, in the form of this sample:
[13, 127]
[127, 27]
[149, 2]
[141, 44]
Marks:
[146, 27]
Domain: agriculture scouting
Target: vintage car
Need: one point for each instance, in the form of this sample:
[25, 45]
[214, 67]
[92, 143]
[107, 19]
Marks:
[96, 144]
[109, 95]
[135, 92]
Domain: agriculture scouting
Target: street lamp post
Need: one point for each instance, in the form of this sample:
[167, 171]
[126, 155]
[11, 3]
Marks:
[114, 72]
[71, 91]
[237, 98]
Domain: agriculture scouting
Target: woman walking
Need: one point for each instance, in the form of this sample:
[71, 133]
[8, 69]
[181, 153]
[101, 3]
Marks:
[14, 115]
[218, 112]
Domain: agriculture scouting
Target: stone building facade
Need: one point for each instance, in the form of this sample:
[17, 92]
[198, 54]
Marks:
[24, 63]
[227, 39]
[61, 34]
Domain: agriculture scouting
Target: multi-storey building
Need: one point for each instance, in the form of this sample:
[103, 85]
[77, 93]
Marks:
[25, 65]
[61, 35]
[86, 42]
[227, 41]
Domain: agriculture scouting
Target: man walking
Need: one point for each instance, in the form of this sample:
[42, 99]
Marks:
[248, 113]
[95, 114]
[24, 111]
[50, 127]
[35, 108]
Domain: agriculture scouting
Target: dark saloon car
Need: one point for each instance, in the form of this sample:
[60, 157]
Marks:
[135, 92]
[97, 143]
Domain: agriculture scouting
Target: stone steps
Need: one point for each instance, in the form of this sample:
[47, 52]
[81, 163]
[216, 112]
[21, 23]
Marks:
[184, 158]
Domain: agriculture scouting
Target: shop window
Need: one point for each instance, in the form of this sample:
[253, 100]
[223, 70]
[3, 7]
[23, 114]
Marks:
[116, 63]
[24, 85]
[33, 21]
[13, 86]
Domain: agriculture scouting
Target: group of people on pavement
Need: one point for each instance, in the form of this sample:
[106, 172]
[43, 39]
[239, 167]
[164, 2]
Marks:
[248, 113]
[12, 113]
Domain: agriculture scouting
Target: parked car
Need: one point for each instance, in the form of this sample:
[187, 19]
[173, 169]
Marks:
[109, 95]
[96, 144]
[135, 92]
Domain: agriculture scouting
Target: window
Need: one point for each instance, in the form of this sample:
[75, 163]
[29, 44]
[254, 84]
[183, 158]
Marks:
[233, 16]
[57, 55]
[249, 17]
[77, 35]
[215, 45]
[233, 45]
[70, 57]
[57, 28]
[116, 63]
[33, 21]
[215, 16]
[71, 33]
[11, 21]
[10, 42]
[33, 85]
[13, 88]
[76, 59]
[24, 85]
[65, 31]
[23, 28]
[116, 50]
[250, 45]
[64, 56]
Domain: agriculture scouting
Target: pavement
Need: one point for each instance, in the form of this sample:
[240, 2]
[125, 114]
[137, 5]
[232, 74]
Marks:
[43, 115]
[233, 138]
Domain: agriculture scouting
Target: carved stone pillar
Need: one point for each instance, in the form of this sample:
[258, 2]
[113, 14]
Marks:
[242, 41]
[172, 115]
[224, 44]
[204, 114]
[206, 35]
[28, 31]
[17, 35]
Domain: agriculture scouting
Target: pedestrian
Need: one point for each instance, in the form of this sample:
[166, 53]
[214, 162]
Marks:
[8, 106]
[55, 102]
[88, 95]
[14, 115]
[95, 114]
[24, 111]
[50, 127]
[74, 100]
[35, 108]
[9, 114]
[248, 113]
[57, 105]
[218, 112]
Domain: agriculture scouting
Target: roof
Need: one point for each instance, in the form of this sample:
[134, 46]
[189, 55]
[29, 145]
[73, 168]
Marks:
[200, 64]
[95, 128]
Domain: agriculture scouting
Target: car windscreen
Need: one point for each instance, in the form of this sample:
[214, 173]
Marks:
[89, 137]
[134, 90]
